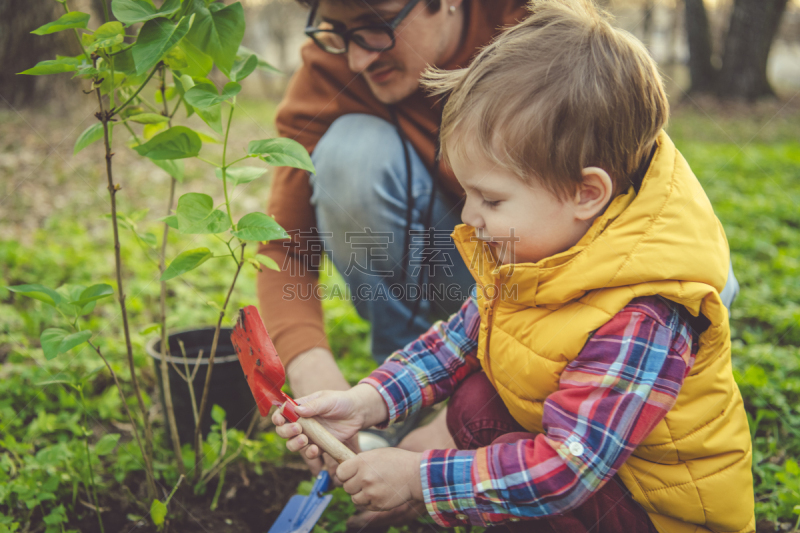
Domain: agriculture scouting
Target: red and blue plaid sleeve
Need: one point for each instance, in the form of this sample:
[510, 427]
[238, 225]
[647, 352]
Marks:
[428, 369]
[610, 398]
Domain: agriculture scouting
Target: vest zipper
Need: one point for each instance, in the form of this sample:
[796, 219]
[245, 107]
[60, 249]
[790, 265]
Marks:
[489, 313]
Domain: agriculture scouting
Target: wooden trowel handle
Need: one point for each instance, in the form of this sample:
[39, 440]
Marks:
[327, 442]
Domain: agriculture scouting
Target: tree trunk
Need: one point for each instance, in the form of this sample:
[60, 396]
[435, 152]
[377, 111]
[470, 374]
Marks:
[750, 34]
[702, 72]
[20, 49]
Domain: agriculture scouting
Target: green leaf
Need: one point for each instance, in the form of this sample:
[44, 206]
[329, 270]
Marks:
[205, 95]
[200, 63]
[178, 142]
[244, 67]
[51, 339]
[196, 215]
[244, 53]
[37, 292]
[53, 66]
[95, 292]
[218, 31]
[282, 152]
[90, 135]
[186, 261]
[133, 11]
[148, 238]
[259, 227]
[76, 339]
[106, 443]
[148, 118]
[107, 35]
[239, 175]
[217, 414]
[158, 512]
[156, 38]
[173, 167]
[74, 19]
[268, 262]
[171, 221]
[211, 116]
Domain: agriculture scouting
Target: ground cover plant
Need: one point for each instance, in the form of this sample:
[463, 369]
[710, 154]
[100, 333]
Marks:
[175, 45]
[60, 417]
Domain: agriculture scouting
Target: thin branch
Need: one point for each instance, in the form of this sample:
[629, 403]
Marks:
[162, 266]
[190, 377]
[116, 110]
[207, 386]
[214, 471]
[148, 468]
[177, 106]
[105, 117]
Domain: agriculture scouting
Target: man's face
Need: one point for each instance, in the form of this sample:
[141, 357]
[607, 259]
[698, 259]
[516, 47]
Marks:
[422, 38]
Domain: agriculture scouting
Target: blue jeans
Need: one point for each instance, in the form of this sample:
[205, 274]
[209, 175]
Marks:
[360, 198]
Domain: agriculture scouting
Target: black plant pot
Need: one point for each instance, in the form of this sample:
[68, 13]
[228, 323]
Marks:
[228, 389]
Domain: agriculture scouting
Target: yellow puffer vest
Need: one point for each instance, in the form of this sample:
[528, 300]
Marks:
[693, 472]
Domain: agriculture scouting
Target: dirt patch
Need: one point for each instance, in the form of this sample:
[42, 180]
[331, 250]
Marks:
[248, 503]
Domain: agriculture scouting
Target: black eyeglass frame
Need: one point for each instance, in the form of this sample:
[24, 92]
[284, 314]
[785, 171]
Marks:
[389, 27]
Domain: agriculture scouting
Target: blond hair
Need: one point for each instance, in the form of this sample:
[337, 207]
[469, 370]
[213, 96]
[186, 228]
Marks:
[558, 92]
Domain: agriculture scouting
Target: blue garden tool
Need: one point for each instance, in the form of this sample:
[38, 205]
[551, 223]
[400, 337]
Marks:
[302, 512]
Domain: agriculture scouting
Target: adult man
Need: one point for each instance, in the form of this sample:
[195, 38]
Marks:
[356, 105]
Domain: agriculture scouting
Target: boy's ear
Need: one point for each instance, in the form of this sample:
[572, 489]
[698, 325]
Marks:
[593, 194]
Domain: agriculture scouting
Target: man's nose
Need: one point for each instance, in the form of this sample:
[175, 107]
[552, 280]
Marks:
[359, 59]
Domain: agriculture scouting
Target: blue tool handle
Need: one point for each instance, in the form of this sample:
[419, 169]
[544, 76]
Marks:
[313, 500]
[322, 484]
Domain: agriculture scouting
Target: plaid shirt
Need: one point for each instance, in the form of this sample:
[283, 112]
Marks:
[610, 398]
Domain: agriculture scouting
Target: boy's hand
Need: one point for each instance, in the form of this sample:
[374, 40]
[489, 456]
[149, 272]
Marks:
[344, 414]
[382, 479]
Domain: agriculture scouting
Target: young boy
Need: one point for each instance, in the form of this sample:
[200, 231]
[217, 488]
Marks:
[589, 378]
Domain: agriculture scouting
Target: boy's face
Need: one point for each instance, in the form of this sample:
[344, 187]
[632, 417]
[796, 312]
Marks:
[522, 222]
[422, 38]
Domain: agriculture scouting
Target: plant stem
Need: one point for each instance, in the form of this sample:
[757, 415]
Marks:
[105, 10]
[104, 117]
[89, 462]
[213, 471]
[177, 106]
[151, 483]
[229, 165]
[162, 266]
[209, 162]
[78, 35]
[116, 110]
[224, 167]
[190, 378]
[198, 466]
[221, 481]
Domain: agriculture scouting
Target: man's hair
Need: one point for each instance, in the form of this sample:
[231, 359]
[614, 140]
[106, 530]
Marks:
[558, 92]
[433, 5]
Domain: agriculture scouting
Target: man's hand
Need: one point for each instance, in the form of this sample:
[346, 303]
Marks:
[383, 479]
[344, 414]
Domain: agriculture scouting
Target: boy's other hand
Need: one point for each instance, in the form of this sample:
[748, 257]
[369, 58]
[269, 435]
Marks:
[380, 480]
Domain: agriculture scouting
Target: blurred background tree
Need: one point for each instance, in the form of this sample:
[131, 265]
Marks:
[751, 31]
[19, 49]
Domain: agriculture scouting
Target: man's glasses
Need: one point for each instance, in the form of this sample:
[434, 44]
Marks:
[375, 37]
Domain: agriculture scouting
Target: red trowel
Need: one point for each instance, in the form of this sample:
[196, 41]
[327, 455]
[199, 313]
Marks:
[265, 375]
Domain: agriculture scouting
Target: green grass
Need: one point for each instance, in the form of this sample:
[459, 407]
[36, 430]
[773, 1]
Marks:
[54, 233]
